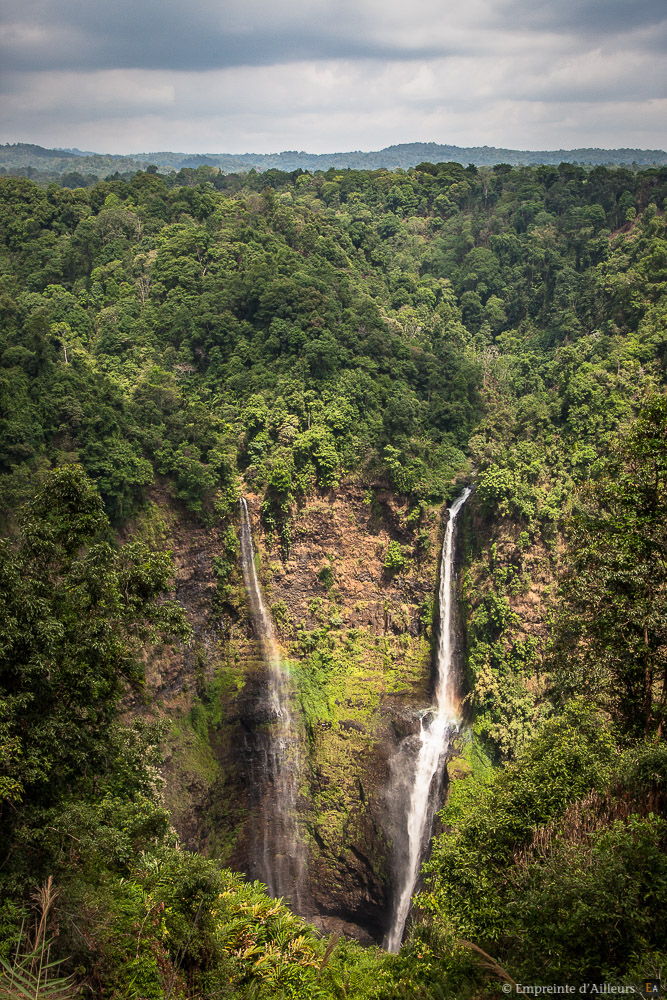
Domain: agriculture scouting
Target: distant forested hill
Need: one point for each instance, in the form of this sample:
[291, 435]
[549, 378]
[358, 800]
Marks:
[49, 164]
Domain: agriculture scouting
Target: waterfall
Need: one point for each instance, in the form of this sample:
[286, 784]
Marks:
[436, 725]
[279, 849]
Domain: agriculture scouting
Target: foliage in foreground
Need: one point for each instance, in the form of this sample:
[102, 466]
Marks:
[557, 866]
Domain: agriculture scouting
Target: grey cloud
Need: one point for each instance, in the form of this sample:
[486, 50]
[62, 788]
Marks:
[40, 35]
[232, 75]
[80, 34]
[583, 17]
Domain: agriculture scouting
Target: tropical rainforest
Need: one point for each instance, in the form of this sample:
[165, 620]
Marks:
[350, 345]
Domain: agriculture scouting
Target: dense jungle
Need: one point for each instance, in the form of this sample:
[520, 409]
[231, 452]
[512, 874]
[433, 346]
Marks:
[344, 350]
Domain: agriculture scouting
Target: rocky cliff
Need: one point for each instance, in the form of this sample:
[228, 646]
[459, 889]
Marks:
[356, 635]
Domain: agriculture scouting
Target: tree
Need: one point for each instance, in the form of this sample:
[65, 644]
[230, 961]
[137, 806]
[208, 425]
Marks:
[74, 615]
[467, 875]
[611, 639]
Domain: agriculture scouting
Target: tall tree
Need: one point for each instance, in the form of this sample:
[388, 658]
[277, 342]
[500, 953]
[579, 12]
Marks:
[74, 614]
[611, 640]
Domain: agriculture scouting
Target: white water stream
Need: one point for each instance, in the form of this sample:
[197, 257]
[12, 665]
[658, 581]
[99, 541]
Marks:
[279, 847]
[436, 726]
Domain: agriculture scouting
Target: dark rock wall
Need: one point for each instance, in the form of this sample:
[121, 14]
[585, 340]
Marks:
[357, 639]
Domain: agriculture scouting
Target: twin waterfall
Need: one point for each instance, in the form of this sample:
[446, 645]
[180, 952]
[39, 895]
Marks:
[416, 779]
[436, 725]
[279, 847]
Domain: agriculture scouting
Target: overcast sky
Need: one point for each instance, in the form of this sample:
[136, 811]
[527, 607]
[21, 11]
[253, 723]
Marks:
[328, 75]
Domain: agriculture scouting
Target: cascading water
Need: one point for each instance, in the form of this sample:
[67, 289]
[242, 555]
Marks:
[279, 848]
[436, 726]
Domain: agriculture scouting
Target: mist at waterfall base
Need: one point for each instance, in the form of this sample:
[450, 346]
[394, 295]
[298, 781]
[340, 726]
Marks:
[417, 769]
[278, 848]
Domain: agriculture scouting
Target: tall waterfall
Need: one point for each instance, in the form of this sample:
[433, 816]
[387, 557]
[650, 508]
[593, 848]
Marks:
[279, 847]
[436, 725]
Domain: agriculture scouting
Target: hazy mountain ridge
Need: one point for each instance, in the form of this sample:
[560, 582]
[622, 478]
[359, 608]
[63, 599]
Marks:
[27, 157]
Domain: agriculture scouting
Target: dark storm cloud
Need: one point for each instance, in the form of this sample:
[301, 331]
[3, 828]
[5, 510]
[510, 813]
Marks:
[154, 34]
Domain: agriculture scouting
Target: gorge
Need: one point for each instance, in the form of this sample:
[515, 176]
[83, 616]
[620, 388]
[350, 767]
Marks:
[278, 767]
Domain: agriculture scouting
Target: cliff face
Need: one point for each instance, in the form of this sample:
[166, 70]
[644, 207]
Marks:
[357, 640]
[359, 637]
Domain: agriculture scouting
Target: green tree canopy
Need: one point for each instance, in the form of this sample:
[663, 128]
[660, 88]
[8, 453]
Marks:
[612, 636]
[76, 610]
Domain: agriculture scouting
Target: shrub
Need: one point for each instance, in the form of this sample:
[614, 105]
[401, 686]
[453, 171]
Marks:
[394, 559]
